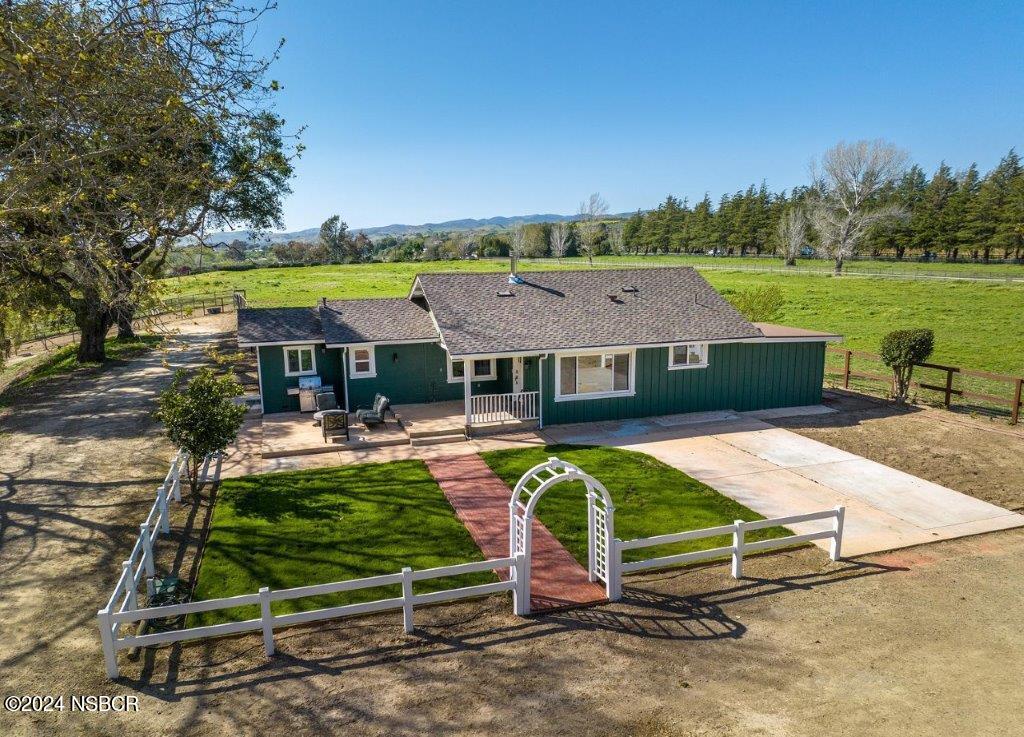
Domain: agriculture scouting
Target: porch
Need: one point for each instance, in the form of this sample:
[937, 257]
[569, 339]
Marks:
[446, 421]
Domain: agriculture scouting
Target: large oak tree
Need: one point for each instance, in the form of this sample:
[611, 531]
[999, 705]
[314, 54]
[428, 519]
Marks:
[125, 127]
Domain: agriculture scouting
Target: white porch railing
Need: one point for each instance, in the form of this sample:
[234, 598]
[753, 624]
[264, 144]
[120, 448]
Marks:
[504, 407]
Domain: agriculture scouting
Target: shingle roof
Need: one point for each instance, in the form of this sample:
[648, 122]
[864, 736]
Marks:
[375, 320]
[278, 325]
[573, 309]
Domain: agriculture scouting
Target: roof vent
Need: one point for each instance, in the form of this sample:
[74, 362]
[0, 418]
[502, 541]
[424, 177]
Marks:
[630, 289]
[615, 298]
[505, 293]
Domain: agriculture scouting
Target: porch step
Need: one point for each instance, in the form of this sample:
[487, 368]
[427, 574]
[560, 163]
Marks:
[455, 437]
[497, 428]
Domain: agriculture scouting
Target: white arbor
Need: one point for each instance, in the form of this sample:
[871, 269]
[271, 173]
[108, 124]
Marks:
[600, 523]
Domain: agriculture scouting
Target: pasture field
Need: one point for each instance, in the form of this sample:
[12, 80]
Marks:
[977, 324]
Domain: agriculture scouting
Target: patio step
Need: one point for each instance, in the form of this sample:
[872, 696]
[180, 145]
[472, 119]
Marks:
[455, 437]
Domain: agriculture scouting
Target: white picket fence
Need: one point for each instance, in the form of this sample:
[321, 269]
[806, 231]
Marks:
[737, 550]
[110, 620]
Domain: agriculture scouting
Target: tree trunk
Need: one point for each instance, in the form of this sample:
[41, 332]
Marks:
[125, 329]
[790, 260]
[93, 323]
[839, 266]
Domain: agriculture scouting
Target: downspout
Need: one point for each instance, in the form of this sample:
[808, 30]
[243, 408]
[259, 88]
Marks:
[540, 390]
[344, 375]
[259, 378]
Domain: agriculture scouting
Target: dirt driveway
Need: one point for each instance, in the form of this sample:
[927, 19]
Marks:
[918, 642]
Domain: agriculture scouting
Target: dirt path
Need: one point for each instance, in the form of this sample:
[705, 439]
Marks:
[79, 460]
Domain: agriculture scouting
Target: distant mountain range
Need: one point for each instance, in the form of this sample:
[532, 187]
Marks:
[311, 234]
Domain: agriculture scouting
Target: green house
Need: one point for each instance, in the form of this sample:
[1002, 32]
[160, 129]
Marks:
[552, 347]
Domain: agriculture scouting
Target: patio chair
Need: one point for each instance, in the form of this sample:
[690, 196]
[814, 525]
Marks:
[325, 402]
[374, 415]
[334, 422]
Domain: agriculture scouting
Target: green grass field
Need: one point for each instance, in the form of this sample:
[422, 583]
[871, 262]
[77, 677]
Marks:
[651, 498]
[307, 527]
[977, 325]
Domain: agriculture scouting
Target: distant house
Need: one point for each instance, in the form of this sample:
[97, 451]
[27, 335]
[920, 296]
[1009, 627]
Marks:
[557, 346]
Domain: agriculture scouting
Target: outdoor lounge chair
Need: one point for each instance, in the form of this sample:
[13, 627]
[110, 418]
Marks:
[374, 415]
[325, 402]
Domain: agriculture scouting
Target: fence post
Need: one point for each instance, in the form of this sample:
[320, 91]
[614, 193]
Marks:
[165, 514]
[521, 594]
[846, 370]
[176, 480]
[130, 590]
[737, 549]
[1015, 410]
[407, 622]
[835, 548]
[267, 621]
[147, 559]
[614, 569]
[949, 386]
[107, 639]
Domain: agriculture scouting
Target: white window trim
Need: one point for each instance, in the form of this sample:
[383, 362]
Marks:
[678, 367]
[312, 354]
[352, 373]
[630, 392]
[493, 375]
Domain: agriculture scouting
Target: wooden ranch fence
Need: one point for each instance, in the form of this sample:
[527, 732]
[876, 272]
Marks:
[1011, 400]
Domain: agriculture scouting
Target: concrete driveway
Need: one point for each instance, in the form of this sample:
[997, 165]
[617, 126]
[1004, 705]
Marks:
[777, 473]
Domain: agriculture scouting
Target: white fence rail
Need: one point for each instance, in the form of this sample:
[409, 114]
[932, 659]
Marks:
[141, 563]
[504, 407]
[111, 618]
[739, 547]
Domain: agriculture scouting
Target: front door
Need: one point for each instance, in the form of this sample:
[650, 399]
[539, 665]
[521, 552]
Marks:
[517, 374]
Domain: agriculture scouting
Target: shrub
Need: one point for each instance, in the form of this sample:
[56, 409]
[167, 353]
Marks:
[200, 416]
[900, 350]
[760, 304]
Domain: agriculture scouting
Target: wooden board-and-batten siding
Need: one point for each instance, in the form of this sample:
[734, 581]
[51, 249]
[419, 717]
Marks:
[739, 376]
[408, 373]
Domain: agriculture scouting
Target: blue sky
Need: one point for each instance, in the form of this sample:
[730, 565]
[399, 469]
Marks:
[429, 111]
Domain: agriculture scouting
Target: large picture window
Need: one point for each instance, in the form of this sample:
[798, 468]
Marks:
[593, 375]
[299, 360]
[687, 355]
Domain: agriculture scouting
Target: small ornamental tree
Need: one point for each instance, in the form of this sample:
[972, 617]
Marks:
[200, 416]
[900, 350]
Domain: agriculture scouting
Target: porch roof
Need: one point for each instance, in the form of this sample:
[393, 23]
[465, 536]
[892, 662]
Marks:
[481, 314]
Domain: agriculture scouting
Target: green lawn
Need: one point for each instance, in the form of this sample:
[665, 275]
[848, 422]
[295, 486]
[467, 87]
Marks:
[284, 530]
[651, 498]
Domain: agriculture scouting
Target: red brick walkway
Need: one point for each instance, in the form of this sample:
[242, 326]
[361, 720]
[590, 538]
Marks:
[480, 500]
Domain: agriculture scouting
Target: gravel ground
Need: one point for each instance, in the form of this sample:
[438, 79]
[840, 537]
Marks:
[915, 642]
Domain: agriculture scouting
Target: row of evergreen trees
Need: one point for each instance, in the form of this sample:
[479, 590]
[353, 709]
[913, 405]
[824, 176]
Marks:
[953, 215]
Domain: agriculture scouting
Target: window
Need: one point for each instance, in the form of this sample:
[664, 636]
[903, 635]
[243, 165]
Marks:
[593, 375]
[362, 364]
[299, 360]
[688, 355]
[483, 369]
